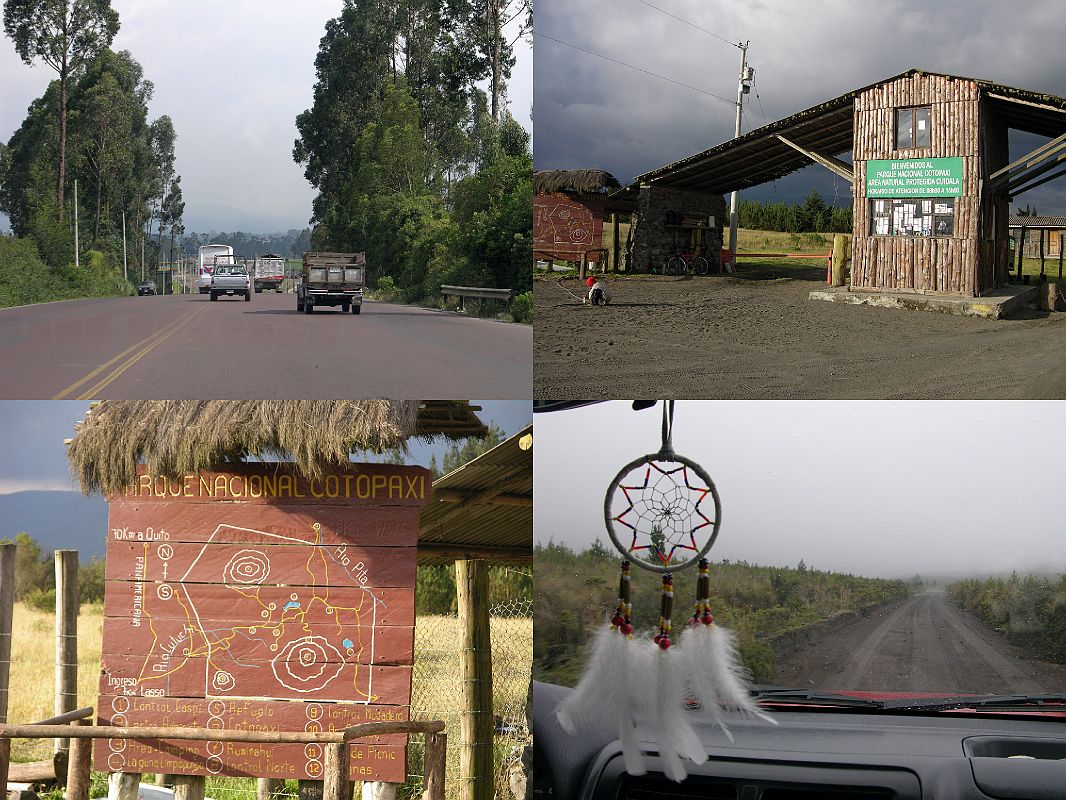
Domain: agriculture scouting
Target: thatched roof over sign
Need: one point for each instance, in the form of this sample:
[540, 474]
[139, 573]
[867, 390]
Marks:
[483, 509]
[176, 437]
[573, 181]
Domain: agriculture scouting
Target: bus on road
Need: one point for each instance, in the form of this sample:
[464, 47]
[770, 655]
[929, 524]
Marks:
[207, 255]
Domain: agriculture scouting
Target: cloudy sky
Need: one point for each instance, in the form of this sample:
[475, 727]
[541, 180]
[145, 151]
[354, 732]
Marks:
[233, 76]
[876, 488]
[33, 456]
[591, 112]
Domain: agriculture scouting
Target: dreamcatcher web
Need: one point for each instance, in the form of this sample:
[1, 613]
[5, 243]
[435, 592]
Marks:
[663, 509]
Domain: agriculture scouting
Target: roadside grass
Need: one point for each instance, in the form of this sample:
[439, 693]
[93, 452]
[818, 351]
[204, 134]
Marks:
[436, 690]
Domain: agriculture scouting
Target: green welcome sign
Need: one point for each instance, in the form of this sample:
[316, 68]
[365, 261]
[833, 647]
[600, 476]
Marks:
[914, 177]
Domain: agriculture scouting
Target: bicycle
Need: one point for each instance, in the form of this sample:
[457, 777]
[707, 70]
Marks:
[679, 265]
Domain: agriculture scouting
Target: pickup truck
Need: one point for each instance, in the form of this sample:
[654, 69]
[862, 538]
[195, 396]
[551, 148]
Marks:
[332, 279]
[269, 272]
[231, 279]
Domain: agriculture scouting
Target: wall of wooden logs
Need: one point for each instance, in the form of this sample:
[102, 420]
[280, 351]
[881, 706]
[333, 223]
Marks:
[967, 262]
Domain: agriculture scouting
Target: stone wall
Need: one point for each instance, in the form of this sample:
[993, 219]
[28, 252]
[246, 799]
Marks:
[654, 242]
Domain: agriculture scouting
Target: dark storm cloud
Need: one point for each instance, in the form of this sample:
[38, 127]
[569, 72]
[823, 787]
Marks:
[593, 113]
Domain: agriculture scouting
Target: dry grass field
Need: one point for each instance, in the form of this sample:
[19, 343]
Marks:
[435, 694]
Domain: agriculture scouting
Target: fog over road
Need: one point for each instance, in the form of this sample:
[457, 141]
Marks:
[184, 346]
[925, 644]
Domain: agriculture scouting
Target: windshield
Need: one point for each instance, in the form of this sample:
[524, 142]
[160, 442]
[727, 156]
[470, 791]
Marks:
[864, 547]
[229, 269]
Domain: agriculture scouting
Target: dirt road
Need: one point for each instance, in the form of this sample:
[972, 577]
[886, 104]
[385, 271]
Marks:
[926, 644]
[734, 338]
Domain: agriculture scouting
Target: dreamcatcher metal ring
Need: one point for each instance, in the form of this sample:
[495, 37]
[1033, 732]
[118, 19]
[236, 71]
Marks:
[661, 519]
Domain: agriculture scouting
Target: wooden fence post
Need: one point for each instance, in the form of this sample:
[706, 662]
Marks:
[66, 636]
[309, 790]
[1021, 251]
[335, 783]
[188, 787]
[7, 608]
[266, 788]
[475, 750]
[123, 785]
[79, 766]
[436, 765]
[1062, 239]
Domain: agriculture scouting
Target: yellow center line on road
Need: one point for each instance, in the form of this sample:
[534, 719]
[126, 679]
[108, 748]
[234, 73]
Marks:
[147, 344]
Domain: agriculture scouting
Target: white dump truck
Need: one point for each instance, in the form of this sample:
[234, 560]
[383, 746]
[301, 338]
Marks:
[269, 272]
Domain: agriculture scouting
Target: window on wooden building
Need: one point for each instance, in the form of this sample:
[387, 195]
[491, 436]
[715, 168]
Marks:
[912, 217]
[912, 128]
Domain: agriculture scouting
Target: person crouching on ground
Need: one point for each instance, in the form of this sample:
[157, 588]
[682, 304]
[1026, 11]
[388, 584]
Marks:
[598, 294]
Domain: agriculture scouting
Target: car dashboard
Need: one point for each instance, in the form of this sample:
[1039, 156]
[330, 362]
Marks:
[823, 753]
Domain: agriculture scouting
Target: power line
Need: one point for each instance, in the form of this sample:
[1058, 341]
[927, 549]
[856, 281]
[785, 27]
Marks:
[638, 69]
[690, 24]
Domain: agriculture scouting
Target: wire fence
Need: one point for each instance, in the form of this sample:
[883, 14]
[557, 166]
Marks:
[436, 691]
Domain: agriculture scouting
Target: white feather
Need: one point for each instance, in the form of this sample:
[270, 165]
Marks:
[729, 675]
[675, 734]
[606, 683]
[696, 647]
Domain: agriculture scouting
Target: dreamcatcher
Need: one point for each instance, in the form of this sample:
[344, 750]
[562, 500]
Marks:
[663, 513]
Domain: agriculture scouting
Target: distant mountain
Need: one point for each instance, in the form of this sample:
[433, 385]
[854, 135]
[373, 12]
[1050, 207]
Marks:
[58, 520]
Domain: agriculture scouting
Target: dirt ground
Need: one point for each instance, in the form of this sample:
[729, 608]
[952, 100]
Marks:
[924, 644]
[759, 337]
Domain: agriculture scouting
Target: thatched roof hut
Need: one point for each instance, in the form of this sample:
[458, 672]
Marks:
[573, 181]
[175, 437]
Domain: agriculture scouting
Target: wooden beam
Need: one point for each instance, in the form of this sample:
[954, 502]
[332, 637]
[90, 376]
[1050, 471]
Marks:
[459, 496]
[834, 164]
[1025, 181]
[475, 665]
[440, 551]
[1031, 158]
[79, 766]
[506, 479]
[1042, 106]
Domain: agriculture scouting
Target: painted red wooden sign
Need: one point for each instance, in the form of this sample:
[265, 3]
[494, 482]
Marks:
[253, 599]
[566, 227]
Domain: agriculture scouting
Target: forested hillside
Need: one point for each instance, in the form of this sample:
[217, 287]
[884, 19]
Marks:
[573, 591]
[90, 125]
[414, 162]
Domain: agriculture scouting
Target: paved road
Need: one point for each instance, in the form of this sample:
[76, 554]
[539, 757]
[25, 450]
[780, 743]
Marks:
[925, 644]
[185, 346]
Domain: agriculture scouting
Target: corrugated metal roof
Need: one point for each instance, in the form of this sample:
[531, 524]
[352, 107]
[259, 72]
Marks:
[827, 128]
[483, 509]
[1038, 222]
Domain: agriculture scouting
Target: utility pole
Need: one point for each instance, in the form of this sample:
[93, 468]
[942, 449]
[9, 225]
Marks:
[125, 271]
[743, 87]
[76, 261]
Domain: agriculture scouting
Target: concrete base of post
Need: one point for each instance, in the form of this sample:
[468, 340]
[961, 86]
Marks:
[123, 785]
[373, 790]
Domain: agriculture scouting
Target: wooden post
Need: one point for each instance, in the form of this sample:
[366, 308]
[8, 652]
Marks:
[617, 244]
[335, 785]
[1061, 239]
[79, 766]
[475, 751]
[123, 785]
[267, 788]
[1041, 251]
[436, 766]
[188, 787]
[7, 608]
[66, 635]
[1021, 250]
[839, 257]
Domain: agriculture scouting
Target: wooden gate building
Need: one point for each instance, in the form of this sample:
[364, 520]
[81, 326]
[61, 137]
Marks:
[931, 174]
